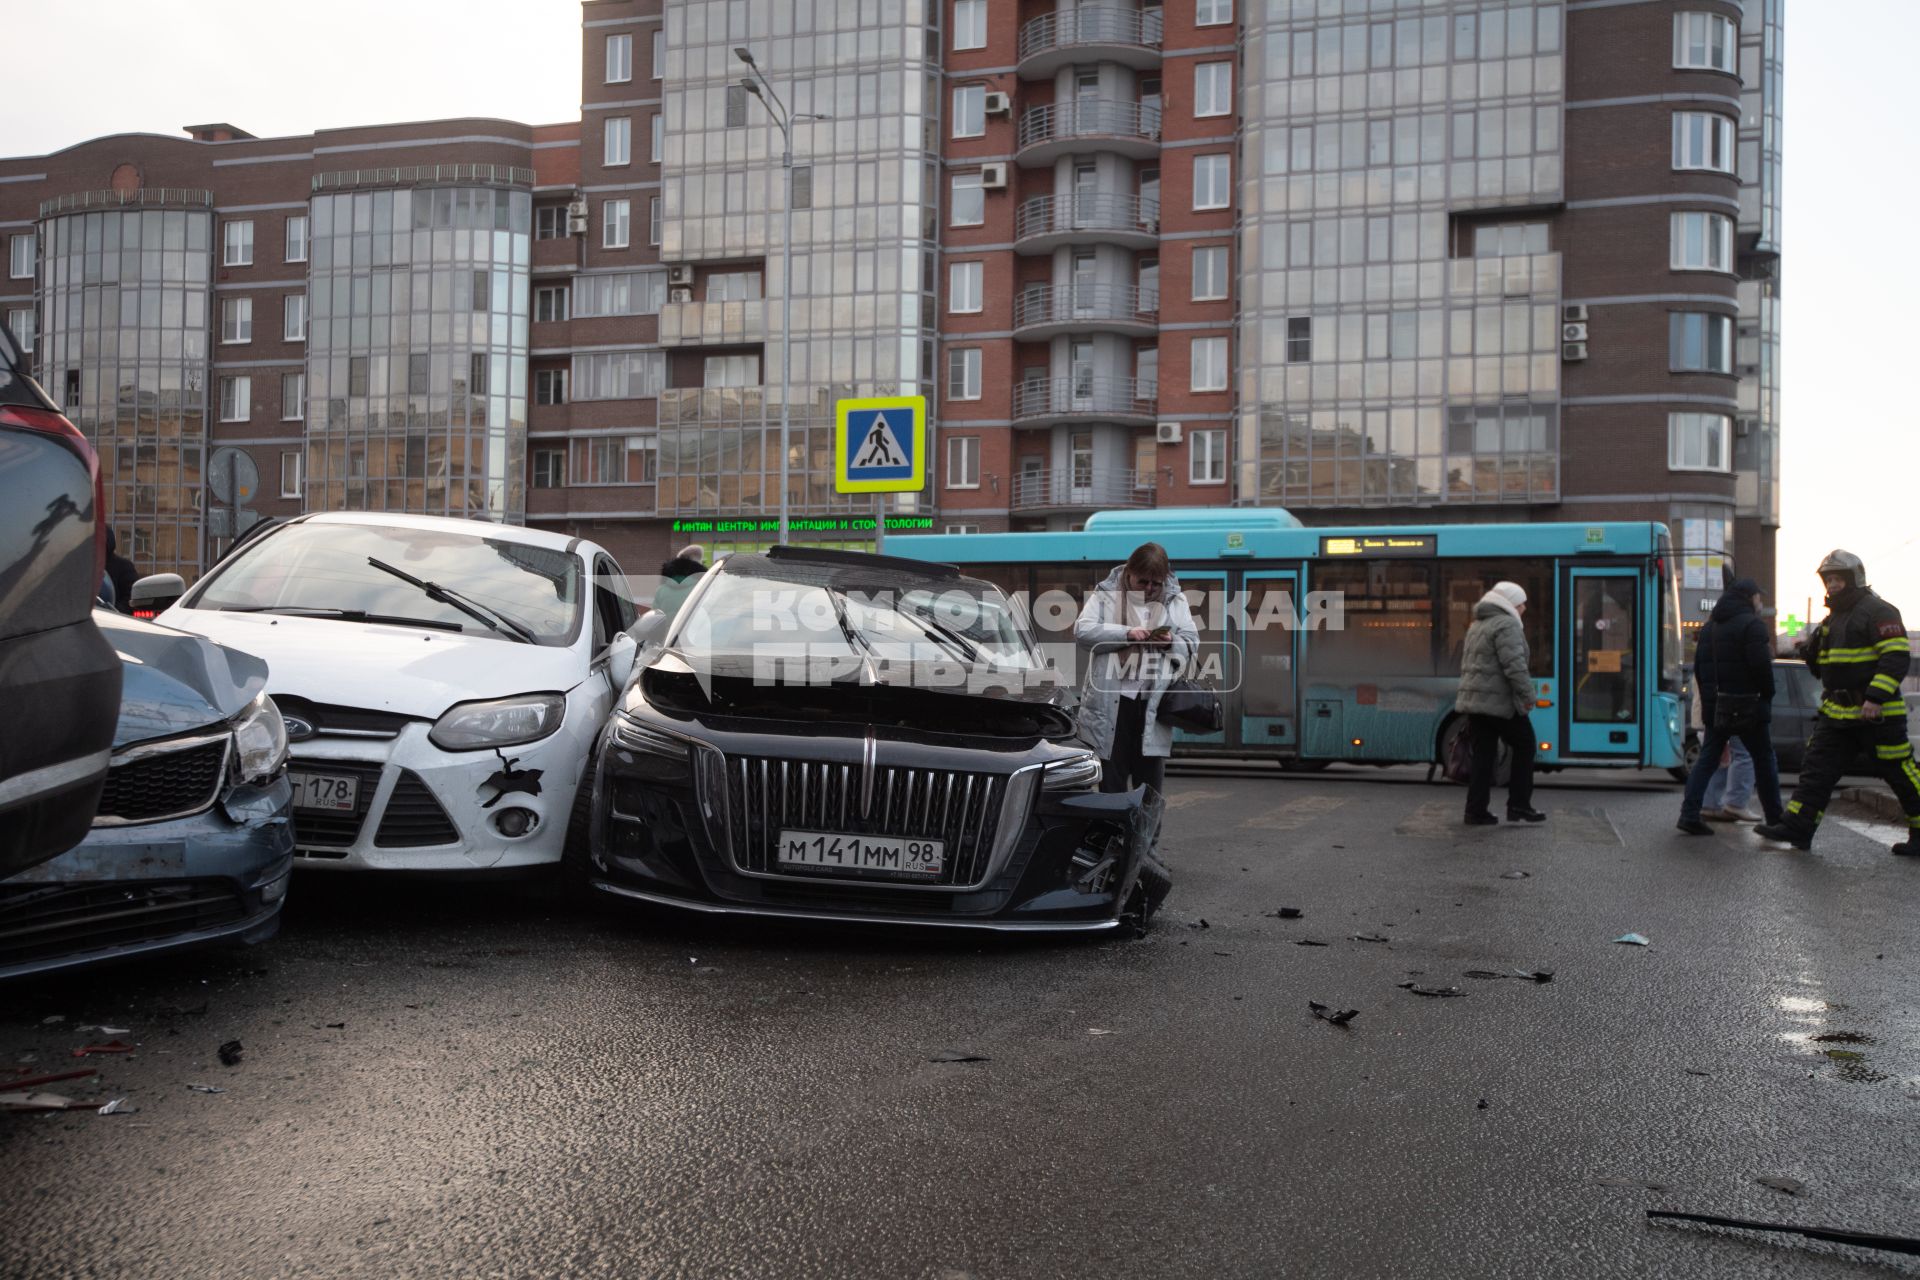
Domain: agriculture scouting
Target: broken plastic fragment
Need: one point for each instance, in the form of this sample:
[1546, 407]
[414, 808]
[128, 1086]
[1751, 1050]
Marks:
[1633, 940]
[111, 1046]
[1515, 875]
[206, 1088]
[958, 1055]
[118, 1107]
[1308, 942]
[1338, 1017]
[1284, 913]
[1369, 937]
[1419, 990]
[1792, 1186]
[230, 1053]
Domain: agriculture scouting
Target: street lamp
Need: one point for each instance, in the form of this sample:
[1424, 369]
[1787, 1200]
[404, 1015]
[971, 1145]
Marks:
[782, 116]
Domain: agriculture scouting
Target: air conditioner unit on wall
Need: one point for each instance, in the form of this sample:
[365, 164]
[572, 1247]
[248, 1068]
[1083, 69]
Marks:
[1574, 313]
[576, 208]
[682, 274]
[993, 177]
[1572, 352]
[999, 104]
[680, 293]
[1166, 432]
[1573, 333]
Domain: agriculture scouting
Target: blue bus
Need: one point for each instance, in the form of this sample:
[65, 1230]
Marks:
[1603, 624]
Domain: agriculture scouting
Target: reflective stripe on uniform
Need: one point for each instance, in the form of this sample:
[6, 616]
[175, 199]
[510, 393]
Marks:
[1898, 644]
[1888, 710]
[1846, 657]
[1894, 751]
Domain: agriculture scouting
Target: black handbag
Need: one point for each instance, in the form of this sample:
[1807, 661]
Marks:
[1193, 706]
[1735, 713]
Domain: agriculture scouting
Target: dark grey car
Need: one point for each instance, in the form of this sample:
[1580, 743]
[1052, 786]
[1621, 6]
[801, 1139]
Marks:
[1796, 703]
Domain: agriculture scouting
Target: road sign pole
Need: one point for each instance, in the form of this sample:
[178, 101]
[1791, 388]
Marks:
[879, 522]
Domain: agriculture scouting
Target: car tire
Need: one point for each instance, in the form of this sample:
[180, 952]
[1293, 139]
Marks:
[1681, 772]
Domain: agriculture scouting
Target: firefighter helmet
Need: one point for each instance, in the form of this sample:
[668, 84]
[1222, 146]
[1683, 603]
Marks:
[1847, 563]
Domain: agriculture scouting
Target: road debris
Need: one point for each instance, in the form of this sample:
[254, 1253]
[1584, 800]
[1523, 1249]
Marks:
[1482, 1105]
[53, 1018]
[230, 1053]
[1640, 1183]
[1419, 990]
[1338, 1017]
[1860, 1239]
[107, 1031]
[959, 1055]
[1633, 940]
[1099, 1031]
[22, 1101]
[1201, 923]
[111, 1046]
[336, 1026]
[14, 1086]
[1516, 875]
[1792, 1186]
[1369, 937]
[1284, 913]
[1308, 942]
[118, 1107]
[206, 1088]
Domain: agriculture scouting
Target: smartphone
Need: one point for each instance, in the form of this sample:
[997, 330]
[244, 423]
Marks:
[1162, 633]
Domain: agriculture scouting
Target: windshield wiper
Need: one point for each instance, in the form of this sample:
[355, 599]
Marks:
[492, 619]
[968, 650]
[854, 639]
[342, 615]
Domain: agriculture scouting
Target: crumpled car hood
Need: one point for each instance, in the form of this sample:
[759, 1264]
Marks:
[173, 681]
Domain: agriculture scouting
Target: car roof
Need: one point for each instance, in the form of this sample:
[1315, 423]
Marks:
[472, 528]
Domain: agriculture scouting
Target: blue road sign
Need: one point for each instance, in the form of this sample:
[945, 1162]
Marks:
[880, 445]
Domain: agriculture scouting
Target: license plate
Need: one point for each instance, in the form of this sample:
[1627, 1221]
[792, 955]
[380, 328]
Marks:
[862, 853]
[324, 792]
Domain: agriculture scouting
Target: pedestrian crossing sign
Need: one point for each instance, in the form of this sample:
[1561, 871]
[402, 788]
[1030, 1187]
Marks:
[880, 445]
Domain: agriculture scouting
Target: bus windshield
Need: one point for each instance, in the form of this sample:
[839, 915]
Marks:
[1672, 647]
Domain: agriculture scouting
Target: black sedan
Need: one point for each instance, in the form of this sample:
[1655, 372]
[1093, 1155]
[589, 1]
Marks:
[839, 736]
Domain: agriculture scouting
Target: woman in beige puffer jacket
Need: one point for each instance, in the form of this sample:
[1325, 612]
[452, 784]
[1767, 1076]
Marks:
[1496, 695]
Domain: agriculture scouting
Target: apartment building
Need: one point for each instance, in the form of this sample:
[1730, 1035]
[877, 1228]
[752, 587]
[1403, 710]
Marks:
[1413, 261]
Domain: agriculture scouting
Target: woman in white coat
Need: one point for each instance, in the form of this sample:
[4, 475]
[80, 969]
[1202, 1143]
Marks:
[1140, 635]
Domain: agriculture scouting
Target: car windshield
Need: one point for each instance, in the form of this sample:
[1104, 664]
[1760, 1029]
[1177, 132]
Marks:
[324, 570]
[831, 612]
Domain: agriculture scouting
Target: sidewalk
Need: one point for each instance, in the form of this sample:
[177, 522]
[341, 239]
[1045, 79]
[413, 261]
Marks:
[1875, 800]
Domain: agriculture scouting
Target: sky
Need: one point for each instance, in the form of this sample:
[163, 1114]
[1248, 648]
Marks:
[1850, 448]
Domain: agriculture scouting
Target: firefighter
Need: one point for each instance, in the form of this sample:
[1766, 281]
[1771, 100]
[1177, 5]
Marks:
[1860, 653]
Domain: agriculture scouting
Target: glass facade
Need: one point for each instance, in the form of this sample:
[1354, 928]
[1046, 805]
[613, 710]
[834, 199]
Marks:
[417, 351]
[125, 296]
[1391, 350]
[865, 257]
[1757, 353]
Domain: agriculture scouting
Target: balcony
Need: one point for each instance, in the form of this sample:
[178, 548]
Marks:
[1040, 402]
[730, 323]
[1046, 223]
[1092, 33]
[1042, 311]
[142, 197]
[1080, 489]
[1081, 124]
[425, 175]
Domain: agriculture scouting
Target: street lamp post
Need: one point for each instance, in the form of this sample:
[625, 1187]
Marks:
[784, 117]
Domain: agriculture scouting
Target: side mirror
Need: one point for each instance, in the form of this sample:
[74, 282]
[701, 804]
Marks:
[155, 594]
[651, 629]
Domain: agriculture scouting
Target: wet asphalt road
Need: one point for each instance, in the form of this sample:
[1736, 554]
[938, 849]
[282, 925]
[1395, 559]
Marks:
[521, 1089]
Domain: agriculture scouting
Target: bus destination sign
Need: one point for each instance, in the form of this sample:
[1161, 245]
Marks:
[1380, 544]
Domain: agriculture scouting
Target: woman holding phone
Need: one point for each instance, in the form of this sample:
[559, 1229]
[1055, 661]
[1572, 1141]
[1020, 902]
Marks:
[1140, 634]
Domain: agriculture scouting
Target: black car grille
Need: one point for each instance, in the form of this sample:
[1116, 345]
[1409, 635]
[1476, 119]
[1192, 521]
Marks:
[765, 796]
[160, 783]
[45, 922]
[356, 721]
[413, 818]
[335, 829]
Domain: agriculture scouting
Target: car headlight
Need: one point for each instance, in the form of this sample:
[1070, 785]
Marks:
[260, 739]
[1077, 773]
[635, 736]
[498, 722]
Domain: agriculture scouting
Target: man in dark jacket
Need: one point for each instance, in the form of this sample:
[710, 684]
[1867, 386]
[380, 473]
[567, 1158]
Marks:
[121, 571]
[1733, 665]
[1861, 653]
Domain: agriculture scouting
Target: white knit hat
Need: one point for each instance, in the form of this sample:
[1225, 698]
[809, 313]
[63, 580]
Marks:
[1515, 594]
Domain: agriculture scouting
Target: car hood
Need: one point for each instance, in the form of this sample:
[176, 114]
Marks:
[173, 681]
[407, 670]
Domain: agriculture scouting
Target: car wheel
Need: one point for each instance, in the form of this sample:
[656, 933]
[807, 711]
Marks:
[1680, 773]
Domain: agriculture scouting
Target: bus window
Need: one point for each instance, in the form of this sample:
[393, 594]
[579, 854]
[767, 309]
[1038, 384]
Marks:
[1389, 621]
[1604, 673]
[1077, 581]
[1463, 582]
[1267, 687]
[1672, 646]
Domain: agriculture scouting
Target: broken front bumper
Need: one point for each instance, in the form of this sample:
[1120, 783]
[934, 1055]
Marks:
[218, 876]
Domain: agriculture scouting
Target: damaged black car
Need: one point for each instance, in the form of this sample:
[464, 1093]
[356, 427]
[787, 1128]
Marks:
[832, 735]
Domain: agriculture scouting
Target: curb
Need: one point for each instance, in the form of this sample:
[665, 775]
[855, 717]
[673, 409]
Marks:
[1877, 801]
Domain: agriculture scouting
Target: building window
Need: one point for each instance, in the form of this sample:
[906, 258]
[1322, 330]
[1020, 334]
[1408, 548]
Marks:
[293, 397]
[653, 222]
[1699, 442]
[1212, 176]
[619, 293]
[1209, 274]
[736, 106]
[549, 386]
[615, 460]
[618, 375]
[963, 462]
[1299, 339]
[294, 318]
[291, 465]
[803, 186]
[1209, 364]
[1509, 239]
[1702, 140]
[733, 286]
[1213, 89]
[969, 200]
[239, 244]
[1214, 13]
[659, 52]
[1701, 342]
[960, 528]
[236, 320]
[615, 215]
[550, 222]
[1702, 242]
[731, 371]
[618, 139]
[20, 256]
[1706, 42]
[969, 24]
[1146, 373]
[1207, 456]
[970, 111]
[236, 399]
[963, 286]
[549, 468]
[21, 321]
[963, 373]
[659, 141]
[550, 304]
[297, 238]
[619, 59]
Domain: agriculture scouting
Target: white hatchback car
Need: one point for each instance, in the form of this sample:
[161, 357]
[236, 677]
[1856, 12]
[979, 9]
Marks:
[443, 681]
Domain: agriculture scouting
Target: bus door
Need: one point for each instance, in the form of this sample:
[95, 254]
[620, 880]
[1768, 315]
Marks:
[1601, 692]
[1269, 640]
[1219, 661]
